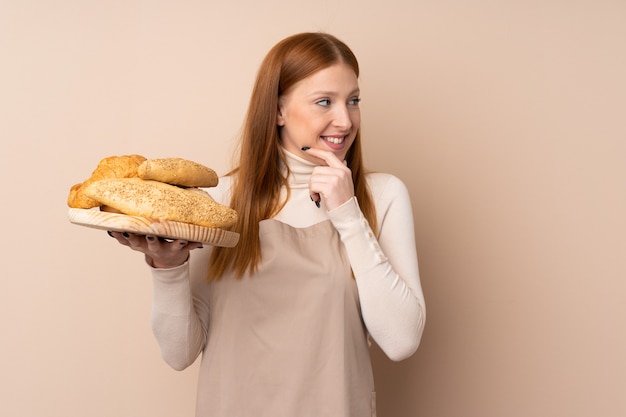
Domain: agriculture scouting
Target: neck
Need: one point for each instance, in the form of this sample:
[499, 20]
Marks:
[300, 169]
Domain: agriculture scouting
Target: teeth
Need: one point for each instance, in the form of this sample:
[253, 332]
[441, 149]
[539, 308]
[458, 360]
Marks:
[336, 141]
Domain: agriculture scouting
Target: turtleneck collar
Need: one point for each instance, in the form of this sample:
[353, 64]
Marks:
[300, 169]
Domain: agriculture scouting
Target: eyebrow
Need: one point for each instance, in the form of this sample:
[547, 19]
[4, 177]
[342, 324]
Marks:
[334, 93]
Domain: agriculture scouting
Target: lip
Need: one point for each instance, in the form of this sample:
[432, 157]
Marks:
[332, 145]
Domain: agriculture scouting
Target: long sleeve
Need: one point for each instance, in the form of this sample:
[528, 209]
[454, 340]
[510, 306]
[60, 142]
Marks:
[179, 316]
[174, 324]
[385, 267]
[180, 309]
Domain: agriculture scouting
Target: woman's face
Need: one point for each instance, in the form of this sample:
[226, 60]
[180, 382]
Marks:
[321, 111]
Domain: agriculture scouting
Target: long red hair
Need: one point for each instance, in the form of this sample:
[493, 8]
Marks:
[258, 177]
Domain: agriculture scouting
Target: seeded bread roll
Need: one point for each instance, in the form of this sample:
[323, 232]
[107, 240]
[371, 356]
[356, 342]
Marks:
[157, 200]
[178, 171]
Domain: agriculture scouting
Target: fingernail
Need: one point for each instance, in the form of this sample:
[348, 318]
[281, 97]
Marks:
[306, 148]
[110, 233]
[126, 235]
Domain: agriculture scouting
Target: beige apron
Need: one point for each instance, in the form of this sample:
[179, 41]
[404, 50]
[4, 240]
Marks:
[289, 342]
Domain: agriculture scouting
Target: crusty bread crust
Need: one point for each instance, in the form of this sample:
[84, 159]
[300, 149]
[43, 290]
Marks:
[178, 171]
[124, 166]
[157, 200]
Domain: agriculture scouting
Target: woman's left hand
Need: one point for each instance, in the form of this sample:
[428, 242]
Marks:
[332, 182]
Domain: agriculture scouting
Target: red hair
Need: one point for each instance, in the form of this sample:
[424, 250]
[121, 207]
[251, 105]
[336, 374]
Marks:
[258, 177]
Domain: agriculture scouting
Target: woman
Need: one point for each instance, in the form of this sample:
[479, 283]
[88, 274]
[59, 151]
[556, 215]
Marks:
[326, 257]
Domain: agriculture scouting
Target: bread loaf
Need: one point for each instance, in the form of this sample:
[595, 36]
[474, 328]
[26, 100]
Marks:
[157, 200]
[178, 171]
[124, 166]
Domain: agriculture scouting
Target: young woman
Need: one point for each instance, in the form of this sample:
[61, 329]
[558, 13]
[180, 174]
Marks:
[326, 257]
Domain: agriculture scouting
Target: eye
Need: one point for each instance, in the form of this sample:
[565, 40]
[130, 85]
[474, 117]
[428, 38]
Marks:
[354, 101]
[324, 102]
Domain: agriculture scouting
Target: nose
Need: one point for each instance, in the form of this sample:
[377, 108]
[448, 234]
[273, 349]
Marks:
[342, 117]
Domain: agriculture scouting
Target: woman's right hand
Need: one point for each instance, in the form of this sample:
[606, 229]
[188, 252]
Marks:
[160, 253]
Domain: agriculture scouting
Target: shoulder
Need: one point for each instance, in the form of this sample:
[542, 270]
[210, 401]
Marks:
[384, 185]
[390, 195]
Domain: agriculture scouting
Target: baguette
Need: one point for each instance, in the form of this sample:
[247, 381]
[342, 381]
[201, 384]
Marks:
[178, 171]
[157, 200]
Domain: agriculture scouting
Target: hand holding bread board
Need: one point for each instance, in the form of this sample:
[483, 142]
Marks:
[158, 197]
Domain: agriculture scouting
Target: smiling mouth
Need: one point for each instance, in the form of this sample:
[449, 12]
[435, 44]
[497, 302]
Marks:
[335, 140]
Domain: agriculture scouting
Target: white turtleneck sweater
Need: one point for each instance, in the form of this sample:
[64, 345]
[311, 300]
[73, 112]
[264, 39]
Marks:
[385, 268]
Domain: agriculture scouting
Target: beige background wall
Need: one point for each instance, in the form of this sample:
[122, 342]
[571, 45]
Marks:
[505, 119]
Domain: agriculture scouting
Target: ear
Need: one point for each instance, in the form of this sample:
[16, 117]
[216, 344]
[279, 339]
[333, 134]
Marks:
[280, 120]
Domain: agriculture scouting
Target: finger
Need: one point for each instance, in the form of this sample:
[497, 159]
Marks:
[181, 244]
[153, 243]
[327, 156]
[133, 241]
[194, 245]
[157, 243]
[316, 198]
[124, 238]
[118, 236]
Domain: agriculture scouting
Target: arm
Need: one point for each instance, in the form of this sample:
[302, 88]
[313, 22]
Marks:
[386, 268]
[180, 312]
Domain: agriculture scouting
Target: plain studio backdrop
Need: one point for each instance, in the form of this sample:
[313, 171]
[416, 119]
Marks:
[504, 118]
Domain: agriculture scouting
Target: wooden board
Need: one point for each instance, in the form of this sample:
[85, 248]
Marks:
[115, 222]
